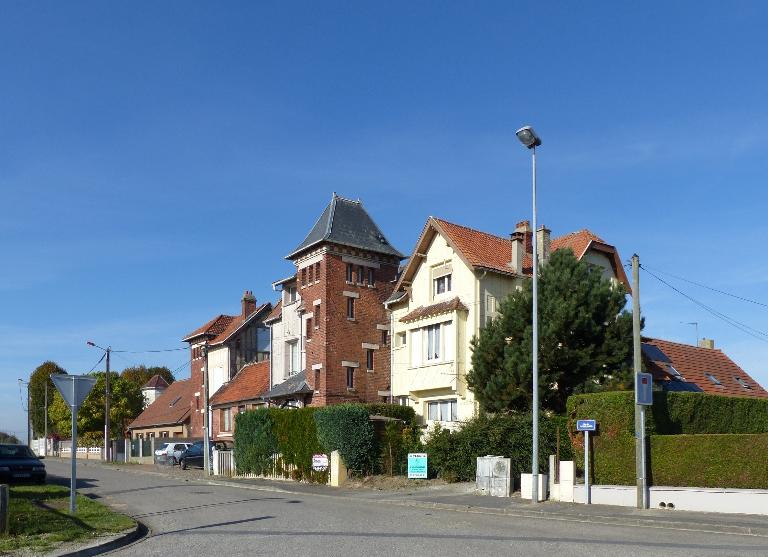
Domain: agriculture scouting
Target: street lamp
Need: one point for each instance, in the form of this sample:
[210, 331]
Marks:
[528, 137]
[107, 443]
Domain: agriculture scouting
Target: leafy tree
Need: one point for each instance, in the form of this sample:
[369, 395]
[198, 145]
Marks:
[141, 374]
[8, 438]
[37, 384]
[126, 402]
[585, 340]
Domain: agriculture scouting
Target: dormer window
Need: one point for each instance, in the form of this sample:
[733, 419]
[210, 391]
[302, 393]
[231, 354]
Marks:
[712, 378]
[442, 285]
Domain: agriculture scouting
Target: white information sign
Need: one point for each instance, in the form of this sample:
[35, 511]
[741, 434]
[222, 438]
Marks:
[319, 462]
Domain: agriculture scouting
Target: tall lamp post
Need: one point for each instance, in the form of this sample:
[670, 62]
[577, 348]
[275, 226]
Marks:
[107, 443]
[530, 140]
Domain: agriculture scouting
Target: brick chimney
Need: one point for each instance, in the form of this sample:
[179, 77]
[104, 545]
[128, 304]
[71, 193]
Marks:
[707, 343]
[524, 227]
[248, 303]
[542, 241]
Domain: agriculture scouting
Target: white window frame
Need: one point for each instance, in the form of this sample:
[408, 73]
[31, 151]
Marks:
[433, 344]
[294, 357]
[445, 281]
[441, 407]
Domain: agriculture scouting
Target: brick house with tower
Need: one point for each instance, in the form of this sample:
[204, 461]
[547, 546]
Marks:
[330, 331]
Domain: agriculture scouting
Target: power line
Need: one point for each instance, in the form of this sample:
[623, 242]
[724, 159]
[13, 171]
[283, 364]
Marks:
[743, 299]
[97, 363]
[751, 331]
[153, 351]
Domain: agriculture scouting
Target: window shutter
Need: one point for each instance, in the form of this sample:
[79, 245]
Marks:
[416, 347]
[449, 341]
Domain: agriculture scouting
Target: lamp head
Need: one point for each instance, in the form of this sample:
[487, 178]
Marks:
[89, 343]
[528, 137]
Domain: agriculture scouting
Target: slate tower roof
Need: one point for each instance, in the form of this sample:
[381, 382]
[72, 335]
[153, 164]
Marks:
[347, 223]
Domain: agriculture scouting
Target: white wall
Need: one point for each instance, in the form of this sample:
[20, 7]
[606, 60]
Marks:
[218, 368]
[288, 328]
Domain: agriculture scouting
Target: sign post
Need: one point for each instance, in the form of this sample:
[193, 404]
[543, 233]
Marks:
[586, 426]
[417, 465]
[643, 398]
[74, 389]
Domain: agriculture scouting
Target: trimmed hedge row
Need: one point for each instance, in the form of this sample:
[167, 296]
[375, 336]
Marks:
[689, 434]
[704, 460]
[453, 455]
[297, 434]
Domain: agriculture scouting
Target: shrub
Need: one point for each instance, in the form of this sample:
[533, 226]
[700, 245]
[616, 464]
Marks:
[297, 441]
[675, 413]
[347, 428]
[255, 441]
[453, 456]
[404, 413]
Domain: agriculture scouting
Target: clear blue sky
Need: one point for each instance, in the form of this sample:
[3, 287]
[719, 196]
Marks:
[156, 159]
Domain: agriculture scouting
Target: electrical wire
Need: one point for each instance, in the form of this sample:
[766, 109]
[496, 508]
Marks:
[751, 331]
[743, 299]
[104, 355]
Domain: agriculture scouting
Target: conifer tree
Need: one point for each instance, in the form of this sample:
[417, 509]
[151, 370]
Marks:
[585, 340]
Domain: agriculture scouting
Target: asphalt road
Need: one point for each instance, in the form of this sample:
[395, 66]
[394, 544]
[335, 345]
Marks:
[195, 518]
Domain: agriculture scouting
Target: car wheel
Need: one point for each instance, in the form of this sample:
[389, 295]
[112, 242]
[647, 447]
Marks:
[183, 464]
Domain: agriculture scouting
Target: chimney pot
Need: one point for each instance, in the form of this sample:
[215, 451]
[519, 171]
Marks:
[707, 343]
[543, 241]
[518, 251]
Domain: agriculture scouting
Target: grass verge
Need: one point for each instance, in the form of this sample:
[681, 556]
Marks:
[40, 519]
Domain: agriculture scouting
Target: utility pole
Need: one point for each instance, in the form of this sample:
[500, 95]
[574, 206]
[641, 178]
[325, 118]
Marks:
[206, 425]
[29, 419]
[45, 420]
[639, 410]
[107, 442]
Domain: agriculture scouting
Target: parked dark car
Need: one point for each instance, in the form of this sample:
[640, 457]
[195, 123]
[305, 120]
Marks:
[19, 464]
[192, 456]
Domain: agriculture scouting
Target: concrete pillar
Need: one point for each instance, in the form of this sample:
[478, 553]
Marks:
[4, 510]
[338, 472]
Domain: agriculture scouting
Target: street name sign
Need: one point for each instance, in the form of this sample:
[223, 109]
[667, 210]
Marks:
[586, 425]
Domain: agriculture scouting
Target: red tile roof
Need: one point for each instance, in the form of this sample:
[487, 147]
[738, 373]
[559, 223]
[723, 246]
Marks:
[277, 311]
[222, 327]
[488, 251]
[172, 407]
[156, 382]
[251, 382]
[214, 327]
[693, 363]
[435, 309]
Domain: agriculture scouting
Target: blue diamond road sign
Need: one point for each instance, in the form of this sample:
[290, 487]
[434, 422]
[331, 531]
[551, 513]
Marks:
[586, 425]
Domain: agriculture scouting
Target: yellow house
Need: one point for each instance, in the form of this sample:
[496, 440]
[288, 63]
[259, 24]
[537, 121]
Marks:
[450, 287]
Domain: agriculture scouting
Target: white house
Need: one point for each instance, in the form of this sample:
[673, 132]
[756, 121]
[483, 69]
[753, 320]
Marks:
[450, 287]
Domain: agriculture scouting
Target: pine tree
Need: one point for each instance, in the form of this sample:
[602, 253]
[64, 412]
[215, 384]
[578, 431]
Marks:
[37, 385]
[585, 340]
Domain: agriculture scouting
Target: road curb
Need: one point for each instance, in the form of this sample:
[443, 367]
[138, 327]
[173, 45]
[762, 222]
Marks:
[589, 518]
[139, 532]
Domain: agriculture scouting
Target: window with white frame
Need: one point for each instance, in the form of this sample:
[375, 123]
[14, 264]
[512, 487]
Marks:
[293, 357]
[490, 308]
[432, 344]
[226, 419]
[442, 410]
[441, 285]
[403, 401]
[401, 339]
[289, 295]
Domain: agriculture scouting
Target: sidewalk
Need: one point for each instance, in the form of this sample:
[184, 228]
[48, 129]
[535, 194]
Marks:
[461, 498]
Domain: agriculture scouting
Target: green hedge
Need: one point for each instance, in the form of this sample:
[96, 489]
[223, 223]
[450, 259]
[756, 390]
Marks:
[347, 428]
[297, 441]
[671, 455]
[704, 460]
[675, 413]
[255, 441]
[405, 413]
[453, 456]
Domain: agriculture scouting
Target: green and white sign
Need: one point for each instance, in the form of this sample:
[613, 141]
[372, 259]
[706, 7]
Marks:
[417, 465]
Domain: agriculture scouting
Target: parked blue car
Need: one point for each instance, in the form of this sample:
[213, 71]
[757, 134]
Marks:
[19, 464]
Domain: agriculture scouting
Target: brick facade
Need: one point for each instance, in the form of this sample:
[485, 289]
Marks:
[332, 340]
